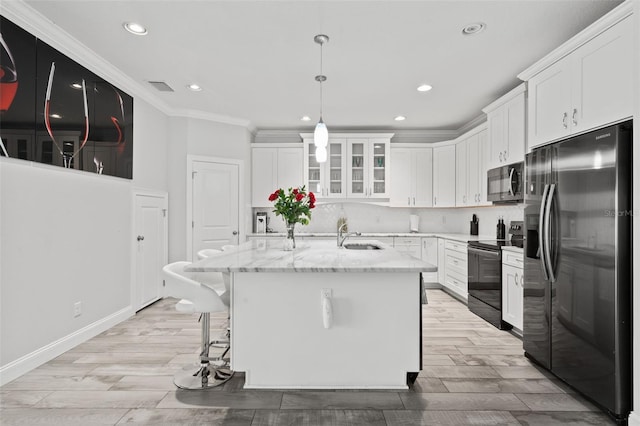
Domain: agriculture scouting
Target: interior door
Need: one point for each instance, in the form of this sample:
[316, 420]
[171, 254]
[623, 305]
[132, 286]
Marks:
[215, 212]
[151, 247]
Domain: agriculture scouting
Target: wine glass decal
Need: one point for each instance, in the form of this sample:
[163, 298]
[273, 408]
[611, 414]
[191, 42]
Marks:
[99, 165]
[66, 158]
[8, 77]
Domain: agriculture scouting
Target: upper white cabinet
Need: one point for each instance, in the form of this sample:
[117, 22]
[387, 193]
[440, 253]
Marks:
[273, 167]
[471, 168]
[506, 120]
[328, 179]
[586, 83]
[411, 176]
[444, 176]
[368, 167]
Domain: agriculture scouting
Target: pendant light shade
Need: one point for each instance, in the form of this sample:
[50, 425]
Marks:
[321, 135]
[321, 154]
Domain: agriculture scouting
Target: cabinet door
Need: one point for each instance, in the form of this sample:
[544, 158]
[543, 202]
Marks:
[444, 176]
[514, 121]
[378, 170]
[495, 124]
[290, 163]
[473, 171]
[461, 174]
[441, 275]
[314, 171]
[483, 166]
[603, 78]
[357, 160]
[336, 168]
[402, 177]
[549, 101]
[264, 175]
[423, 166]
[512, 295]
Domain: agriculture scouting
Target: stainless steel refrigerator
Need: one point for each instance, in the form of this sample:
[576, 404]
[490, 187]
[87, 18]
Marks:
[577, 271]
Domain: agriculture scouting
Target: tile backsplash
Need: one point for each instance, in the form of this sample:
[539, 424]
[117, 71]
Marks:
[364, 217]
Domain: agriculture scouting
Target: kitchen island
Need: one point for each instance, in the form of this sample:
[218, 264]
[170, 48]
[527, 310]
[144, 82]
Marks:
[323, 316]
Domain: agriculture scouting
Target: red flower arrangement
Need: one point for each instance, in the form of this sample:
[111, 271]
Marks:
[295, 205]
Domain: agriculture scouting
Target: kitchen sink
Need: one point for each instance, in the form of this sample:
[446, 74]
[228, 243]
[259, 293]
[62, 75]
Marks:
[361, 246]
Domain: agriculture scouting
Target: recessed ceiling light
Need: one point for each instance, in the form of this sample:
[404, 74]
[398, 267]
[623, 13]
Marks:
[424, 88]
[55, 116]
[306, 118]
[135, 28]
[474, 28]
[400, 118]
[76, 86]
[194, 87]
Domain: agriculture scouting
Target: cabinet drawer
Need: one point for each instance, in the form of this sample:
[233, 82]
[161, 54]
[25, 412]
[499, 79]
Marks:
[513, 259]
[456, 246]
[414, 251]
[455, 282]
[406, 241]
[456, 262]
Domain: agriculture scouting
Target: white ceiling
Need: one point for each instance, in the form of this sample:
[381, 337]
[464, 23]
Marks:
[256, 60]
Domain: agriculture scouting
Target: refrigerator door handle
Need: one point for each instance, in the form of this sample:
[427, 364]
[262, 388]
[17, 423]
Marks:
[541, 233]
[547, 234]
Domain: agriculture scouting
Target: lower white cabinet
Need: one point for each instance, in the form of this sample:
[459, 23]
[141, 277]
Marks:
[408, 245]
[430, 255]
[455, 268]
[441, 260]
[512, 288]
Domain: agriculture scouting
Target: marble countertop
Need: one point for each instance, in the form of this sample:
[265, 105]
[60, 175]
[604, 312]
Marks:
[267, 255]
[450, 236]
[514, 249]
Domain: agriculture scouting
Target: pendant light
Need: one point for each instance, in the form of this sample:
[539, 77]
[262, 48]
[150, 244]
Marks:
[321, 134]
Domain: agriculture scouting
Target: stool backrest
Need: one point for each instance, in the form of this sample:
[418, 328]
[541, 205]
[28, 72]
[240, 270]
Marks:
[228, 247]
[204, 253]
[179, 285]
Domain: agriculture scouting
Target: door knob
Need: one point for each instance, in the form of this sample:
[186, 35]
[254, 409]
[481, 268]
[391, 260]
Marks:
[235, 232]
[140, 237]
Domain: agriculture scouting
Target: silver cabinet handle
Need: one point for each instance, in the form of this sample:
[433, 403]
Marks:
[408, 201]
[435, 201]
[516, 280]
[564, 120]
[574, 118]
[140, 237]
[500, 156]
[414, 201]
[506, 155]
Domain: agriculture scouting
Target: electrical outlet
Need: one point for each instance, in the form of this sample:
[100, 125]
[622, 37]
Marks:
[325, 292]
[77, 309]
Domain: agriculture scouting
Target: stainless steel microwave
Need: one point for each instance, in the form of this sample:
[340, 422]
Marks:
[505, 184]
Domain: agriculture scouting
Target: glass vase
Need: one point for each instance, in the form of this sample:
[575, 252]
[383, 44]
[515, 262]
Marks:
[290, 239]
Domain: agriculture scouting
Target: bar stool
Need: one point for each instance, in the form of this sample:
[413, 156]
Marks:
[204, 253]
[196, 297]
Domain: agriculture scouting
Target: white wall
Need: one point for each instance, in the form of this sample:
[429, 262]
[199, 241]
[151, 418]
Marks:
[190, 136]
[65, 237]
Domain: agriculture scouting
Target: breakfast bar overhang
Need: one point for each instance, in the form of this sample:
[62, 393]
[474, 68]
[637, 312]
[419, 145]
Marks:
[322, 316]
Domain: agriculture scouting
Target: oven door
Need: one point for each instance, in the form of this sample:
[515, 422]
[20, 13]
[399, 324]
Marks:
[485, 276]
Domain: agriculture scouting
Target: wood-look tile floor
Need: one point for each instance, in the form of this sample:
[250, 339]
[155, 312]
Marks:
[473, 374]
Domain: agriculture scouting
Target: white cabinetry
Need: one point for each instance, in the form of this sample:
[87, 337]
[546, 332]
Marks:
[411, 176]
[444, 176]
[471, 168]
[409, 245]
[455, 264]
[328, 179]
[441, 260]
[430, 255]
[273, 167]
[461, 173]
[367, 162]
[506, 120]
[584, 84]
[512, 288]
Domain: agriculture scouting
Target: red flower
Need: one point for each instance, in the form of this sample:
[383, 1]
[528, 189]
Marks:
[299, 196]
[312, 206]
[295, 191]
[312, 197]
[273, 196]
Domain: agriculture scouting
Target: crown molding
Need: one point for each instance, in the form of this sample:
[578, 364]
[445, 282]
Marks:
[607, 21]
[218, 118]
[479, 120]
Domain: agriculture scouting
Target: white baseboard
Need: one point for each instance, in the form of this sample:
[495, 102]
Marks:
[20, 366]
[634, 418]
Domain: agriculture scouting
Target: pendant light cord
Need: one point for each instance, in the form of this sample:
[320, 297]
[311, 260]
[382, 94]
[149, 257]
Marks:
[321, 45]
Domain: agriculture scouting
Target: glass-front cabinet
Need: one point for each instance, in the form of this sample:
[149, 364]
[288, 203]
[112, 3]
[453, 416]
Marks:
[356, 166]
[369, 171]
[326, 180]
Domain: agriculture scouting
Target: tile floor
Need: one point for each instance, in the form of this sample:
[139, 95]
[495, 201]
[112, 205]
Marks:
[473, 374]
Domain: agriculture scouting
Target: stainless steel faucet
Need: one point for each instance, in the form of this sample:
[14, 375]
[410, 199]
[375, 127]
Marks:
[342, 238]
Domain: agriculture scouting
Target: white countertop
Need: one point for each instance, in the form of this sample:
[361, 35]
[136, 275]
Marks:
[450, 236]
[267, 255]
[514, 249]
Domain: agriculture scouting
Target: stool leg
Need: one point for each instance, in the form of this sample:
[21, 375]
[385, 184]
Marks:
[206, 376]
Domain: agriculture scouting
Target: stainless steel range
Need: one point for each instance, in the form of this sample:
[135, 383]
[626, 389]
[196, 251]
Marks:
[485, 275]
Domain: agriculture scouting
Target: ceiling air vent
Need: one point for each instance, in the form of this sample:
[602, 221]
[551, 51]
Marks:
[161, 86]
